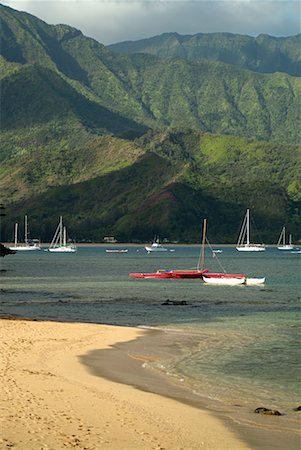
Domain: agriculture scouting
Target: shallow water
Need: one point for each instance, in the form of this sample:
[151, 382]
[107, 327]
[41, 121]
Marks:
[239, 345]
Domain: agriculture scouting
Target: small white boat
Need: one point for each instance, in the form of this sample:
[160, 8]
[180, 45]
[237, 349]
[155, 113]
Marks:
[243, 243]
[59, 242]
[281, 244]
[116, 250]
[224, 279]
[232, 280]
[255, 281]
[155, 247]
[29, 244]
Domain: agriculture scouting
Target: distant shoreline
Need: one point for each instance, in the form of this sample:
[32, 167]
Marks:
[130, 244]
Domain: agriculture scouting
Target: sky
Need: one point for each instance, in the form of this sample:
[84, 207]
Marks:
[111, 21]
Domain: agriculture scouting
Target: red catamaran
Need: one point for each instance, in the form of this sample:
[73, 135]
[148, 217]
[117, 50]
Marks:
[171, 274]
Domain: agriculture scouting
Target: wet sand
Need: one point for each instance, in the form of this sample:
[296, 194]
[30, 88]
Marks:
[124, 363]
[51, 400]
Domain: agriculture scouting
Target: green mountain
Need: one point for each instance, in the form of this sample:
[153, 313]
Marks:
[264, 53]
[132, 146]
[204, 95]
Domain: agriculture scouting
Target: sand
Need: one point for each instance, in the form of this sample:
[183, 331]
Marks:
[50, 400]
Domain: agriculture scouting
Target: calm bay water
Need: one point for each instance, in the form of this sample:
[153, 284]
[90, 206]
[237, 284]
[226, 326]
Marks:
[238, 345]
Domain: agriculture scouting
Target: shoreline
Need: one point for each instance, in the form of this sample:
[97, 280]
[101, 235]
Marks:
[82, 364]
[123, 363]
[51, 400]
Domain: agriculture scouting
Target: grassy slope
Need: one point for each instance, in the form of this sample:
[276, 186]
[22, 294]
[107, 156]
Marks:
[174, 180]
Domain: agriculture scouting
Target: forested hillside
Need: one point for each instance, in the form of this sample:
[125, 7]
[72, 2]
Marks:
[264, 53]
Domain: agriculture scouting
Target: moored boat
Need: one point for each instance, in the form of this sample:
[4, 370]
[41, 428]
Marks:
[281, 244]
[155, 247]
[59, 242]
[243, 243]
[116, 250]
[29, 244]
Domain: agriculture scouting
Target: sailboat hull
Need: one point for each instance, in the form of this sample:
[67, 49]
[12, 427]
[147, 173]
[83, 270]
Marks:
[250, 248]
[155, 249]
[61, 250]
[26, 248]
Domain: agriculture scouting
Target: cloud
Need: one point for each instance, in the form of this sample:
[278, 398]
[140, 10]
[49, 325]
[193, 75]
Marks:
[113, 21]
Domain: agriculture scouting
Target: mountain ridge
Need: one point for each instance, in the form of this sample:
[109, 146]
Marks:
[263, 53]
[155, 93]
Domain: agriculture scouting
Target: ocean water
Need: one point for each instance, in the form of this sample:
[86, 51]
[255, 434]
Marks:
[235, 345]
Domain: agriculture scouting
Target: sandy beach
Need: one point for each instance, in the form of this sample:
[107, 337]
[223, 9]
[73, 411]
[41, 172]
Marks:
[50, 400]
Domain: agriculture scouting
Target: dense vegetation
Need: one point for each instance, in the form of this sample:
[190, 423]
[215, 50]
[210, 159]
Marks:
[132, 146]
[263, 53]
[144, 89]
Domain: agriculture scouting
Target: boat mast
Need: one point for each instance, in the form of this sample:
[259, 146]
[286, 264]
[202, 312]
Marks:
[248, 227]
[65, 237]
[203, 244]
[61, 231]
[25, 230]
[16, 234]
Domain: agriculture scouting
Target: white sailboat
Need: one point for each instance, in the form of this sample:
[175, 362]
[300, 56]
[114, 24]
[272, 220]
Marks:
[243, 243]
[29, 244]
[59, 242]
[281, 245]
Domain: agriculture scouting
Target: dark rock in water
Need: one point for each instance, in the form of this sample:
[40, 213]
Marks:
[267, 411]
[5, 251]
[298, 408]
[174, 302]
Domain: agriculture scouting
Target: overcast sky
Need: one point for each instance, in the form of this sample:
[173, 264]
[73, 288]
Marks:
[110, 21]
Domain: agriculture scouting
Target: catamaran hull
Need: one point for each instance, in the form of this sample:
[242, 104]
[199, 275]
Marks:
[178, 274]
[151, 275]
